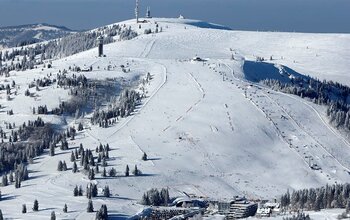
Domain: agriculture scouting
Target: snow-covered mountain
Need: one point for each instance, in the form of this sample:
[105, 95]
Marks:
[32, 33]
[206, 123]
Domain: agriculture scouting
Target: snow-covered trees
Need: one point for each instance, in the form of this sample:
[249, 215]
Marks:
[335, 95]
[123, 107]
[299, 216]
[62, 166]
[335, 196]
[102, 214]
[30, 56]
[156, 198]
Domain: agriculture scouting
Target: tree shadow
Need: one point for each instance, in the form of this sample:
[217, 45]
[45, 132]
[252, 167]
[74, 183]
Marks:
[7, 197]
[36, 177]
[64, 152]
[23, 186]
[46, 209]
[156, 158]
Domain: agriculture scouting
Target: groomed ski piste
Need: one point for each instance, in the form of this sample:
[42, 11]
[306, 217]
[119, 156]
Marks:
[208, 128]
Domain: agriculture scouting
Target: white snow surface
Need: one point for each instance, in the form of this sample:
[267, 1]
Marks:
[202, 135]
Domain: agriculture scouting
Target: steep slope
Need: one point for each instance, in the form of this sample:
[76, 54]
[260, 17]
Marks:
[206, 128]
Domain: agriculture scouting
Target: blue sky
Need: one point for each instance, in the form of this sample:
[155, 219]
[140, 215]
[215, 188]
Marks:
[270, 15]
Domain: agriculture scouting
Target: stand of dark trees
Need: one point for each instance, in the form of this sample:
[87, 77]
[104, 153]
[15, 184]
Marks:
[335, 196]
[126, 104]
[155, 197]
[332, 94]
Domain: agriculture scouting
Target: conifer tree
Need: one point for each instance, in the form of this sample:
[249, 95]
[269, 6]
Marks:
[36, 206]
[80, 191]
[127, 170]
[11, 177]
[59, 166]
[104, 173]
[24, 208]
[75, 167]
[144, 156]
[4, 180]
[64, 166]
[65, 208]
[106, 192]
[76, 191]
[97, 169]
[90, 207]
[53, 215]
[112, 172]
[17, 182]
[136, 172]
[91, 174]
[52, 150]
[72, 157]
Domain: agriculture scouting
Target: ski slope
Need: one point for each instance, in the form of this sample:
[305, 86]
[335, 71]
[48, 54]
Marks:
[206, 129]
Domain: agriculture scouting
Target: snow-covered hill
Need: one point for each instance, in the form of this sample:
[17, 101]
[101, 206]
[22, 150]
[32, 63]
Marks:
[32, 33]
[208, 128]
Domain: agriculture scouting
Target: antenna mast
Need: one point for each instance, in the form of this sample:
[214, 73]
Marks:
[137, 11]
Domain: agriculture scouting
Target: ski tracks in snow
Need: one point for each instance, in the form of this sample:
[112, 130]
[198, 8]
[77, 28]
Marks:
[190, 109]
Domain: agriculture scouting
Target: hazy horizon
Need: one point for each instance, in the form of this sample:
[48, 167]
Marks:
[323, 16]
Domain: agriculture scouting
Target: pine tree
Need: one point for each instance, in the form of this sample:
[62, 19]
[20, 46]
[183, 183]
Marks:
[144, 156]
[104, 173]
[17, 182]
[136, 172]
[76, 191]
[4, 180]
[36, 206]
[145, 199]
[106, 192]
[64, 166]
[65, 208]
[102, 214]
[90, 207]
[53, 215]
[127, 170]
[97, 170]
[59, 166]
[164, 194]
[75, 167]
[1, 217]
[11, 177]
[347, 207]
[80, 192]
[52, 150]
[24, 208]
[91, 174]
[112, 172]
[72, 157]
[104, 162]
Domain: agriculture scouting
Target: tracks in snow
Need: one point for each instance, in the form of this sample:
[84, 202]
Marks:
[200, 88]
